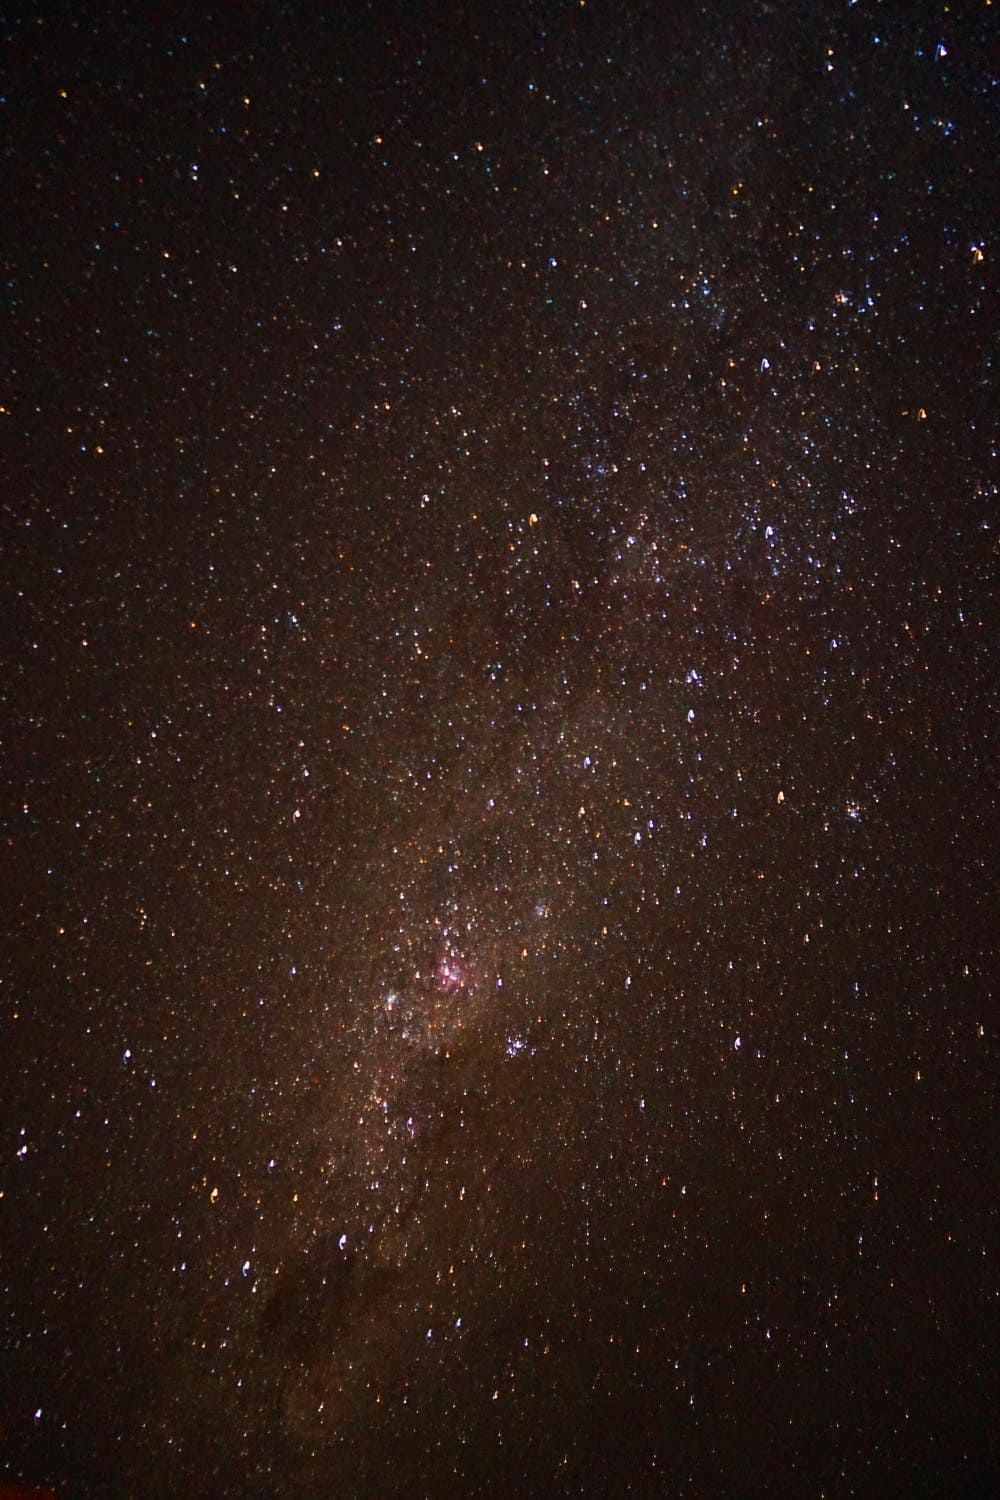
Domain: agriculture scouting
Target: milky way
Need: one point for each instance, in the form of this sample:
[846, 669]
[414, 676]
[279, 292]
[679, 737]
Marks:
[499, 727]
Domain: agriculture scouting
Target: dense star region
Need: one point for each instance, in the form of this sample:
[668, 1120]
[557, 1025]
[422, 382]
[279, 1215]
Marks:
[498, 723]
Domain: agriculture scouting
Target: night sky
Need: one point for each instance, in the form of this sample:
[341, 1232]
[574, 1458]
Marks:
[498, 522]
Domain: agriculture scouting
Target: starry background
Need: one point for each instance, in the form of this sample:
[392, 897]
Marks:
[497, 741]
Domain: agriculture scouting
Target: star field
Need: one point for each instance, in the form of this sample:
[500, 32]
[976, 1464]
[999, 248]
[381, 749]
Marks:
[498, 731]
